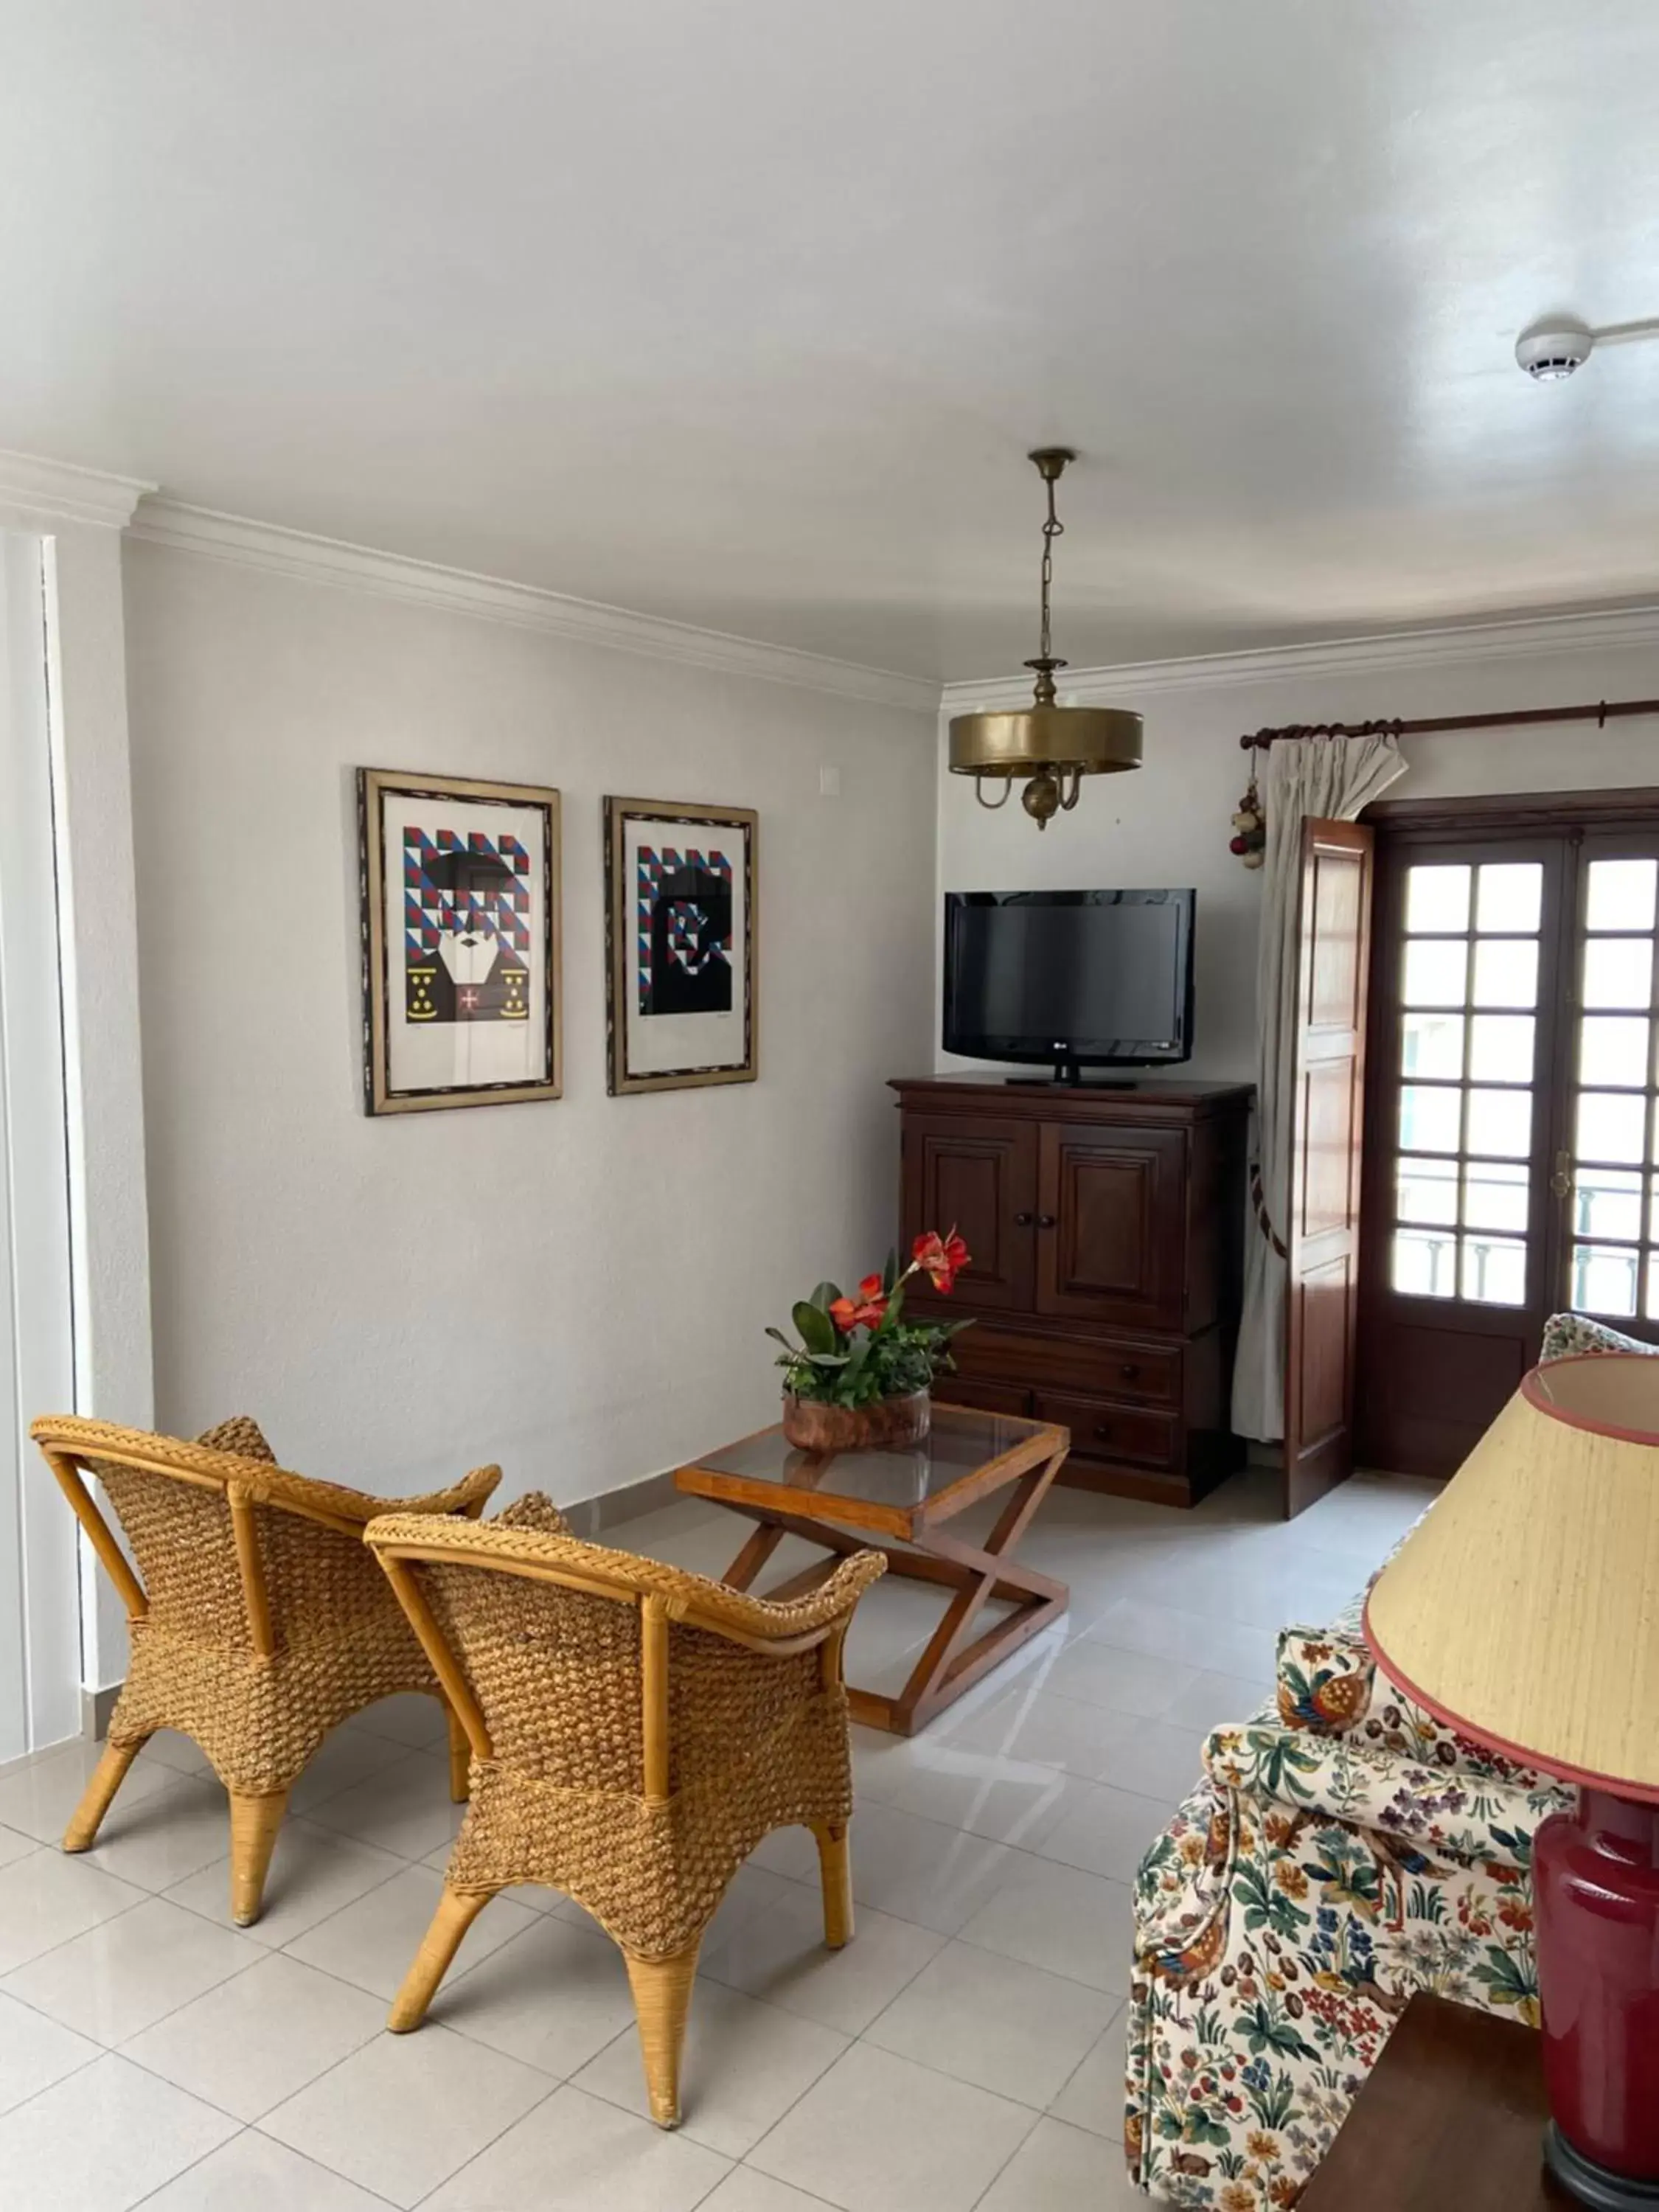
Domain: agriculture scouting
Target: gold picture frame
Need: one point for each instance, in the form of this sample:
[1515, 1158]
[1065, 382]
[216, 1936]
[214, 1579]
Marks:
[681, 944]
[462, 947]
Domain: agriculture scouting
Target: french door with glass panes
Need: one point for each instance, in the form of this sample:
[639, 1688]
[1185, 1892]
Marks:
[1512, 1149]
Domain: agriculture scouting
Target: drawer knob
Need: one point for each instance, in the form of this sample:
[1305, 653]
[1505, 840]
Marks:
[1103, 1429]
[1023, 1220]
[1129, 1371]
[1045, 1221]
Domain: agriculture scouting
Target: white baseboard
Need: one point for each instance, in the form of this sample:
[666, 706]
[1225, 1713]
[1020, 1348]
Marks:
[96, 1706]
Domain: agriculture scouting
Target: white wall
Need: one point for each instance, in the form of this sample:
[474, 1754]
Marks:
[1168, 822]
[576, 1289]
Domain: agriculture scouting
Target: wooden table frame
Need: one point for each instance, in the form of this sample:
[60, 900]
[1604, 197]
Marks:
[954, 1658]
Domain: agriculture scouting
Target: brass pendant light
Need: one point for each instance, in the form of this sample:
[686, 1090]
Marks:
[1045, 742]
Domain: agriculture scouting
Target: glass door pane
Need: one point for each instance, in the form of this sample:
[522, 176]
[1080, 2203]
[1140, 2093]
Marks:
[1612, 1264]
[1466, 1110]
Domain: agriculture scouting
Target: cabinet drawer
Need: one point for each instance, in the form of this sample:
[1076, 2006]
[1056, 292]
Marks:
[1113, 1367]
[1102, 1429]
[1151, 1371]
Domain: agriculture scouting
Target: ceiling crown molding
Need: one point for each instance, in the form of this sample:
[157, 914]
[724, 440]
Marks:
[1524, 638]
[394, 575]
[57, 491]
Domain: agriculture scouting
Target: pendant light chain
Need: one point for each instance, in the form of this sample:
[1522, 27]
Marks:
[1052, 747]
[1053, 528]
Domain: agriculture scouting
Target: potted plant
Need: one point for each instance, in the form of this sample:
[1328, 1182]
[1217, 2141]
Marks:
[860, 1376]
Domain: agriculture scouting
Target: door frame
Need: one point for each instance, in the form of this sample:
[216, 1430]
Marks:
[40, 1609]
[76, 517]
[1431, 825]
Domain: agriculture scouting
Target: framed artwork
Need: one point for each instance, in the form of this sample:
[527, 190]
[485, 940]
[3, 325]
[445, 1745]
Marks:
[680, 957]
[462, 1000]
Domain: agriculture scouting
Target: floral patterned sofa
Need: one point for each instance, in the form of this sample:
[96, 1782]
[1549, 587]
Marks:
[1342, 1851]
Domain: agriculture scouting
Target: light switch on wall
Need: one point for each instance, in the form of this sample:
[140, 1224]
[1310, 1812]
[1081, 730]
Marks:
[828, 783]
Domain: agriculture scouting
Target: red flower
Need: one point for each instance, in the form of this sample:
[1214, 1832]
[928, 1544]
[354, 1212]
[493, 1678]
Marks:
[867, 1313]
[941, 1259]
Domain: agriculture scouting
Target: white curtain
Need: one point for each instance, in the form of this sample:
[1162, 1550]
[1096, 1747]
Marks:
[1322, 779]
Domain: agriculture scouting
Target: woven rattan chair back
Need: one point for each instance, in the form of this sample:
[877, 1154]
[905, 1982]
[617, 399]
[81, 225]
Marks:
[230, 1555]
[635, 1731]
[258, 1621]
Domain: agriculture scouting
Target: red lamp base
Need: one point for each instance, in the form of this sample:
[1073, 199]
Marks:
[1594, 2185]
[1595, 1887]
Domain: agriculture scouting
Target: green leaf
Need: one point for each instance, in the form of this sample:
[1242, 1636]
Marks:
[889, 1273]
[825, 1297]
[817, 1331]
[895, 1308]
[778, 1337]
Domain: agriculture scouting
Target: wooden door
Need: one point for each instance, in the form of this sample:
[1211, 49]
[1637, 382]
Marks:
[1326, 1124]
[1458, 1273]
[1515, 993]
[975, 1174]
[1111, 1224]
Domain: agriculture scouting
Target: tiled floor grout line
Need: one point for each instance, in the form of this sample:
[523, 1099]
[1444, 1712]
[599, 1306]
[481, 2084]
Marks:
[244, 2128]
[100, 2051]
[552, 2090]
[1037, 2123]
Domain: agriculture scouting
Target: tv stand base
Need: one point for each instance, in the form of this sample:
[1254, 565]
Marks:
[1068, 1076]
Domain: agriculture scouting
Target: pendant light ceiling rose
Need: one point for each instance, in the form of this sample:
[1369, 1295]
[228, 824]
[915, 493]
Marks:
[1055, 746]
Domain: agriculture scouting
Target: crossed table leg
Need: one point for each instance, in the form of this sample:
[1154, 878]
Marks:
[955, 1658]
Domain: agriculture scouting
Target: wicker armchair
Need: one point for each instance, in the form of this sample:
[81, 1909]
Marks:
[259, 1624]
[635, 1731]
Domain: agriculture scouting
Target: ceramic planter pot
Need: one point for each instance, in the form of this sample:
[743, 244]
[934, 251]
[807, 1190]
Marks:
[889, 1425]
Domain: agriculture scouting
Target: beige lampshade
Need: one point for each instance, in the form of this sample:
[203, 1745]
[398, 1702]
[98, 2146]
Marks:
[1524, 1608]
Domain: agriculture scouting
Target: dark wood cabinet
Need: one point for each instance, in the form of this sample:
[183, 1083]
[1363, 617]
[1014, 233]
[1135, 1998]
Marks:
[1106, 1229]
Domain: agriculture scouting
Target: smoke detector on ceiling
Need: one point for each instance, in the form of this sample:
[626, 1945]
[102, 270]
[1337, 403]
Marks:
[1550, 352]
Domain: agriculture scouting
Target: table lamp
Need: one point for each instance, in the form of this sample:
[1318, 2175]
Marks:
[1523, 1612]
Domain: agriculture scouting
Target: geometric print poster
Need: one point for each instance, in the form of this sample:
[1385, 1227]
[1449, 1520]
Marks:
[460, 886]
[684, 899]
[680, 941]
[466, 927]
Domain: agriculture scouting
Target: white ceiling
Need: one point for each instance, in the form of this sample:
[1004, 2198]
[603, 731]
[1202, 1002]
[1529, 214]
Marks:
[745, 311]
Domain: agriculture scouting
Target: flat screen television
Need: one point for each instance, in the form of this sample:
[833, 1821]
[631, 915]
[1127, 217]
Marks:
[1077, 979]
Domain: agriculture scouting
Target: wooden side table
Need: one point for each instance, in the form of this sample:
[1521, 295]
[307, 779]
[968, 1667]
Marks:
[898, 1501]
[1452, 2116]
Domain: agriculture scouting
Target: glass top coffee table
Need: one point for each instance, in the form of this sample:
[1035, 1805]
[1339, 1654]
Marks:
[852, 1501]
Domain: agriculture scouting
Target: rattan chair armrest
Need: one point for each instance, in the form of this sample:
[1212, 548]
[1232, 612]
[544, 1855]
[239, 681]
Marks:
[263, 1484]
[692, 1598]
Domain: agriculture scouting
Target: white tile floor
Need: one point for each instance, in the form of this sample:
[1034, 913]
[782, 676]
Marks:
[964, 2052]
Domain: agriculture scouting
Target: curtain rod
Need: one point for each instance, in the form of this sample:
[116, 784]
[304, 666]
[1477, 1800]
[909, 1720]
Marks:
[1604, 711]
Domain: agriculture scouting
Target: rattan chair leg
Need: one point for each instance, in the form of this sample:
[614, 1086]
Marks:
[457, 1911]
[836, 1872]
[107, 1777]
[460, 1762]
[254, 1821]
[662, 1999]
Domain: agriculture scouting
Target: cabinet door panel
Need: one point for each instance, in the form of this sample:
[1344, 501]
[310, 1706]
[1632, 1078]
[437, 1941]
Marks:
[1111, 1224]
[977, 1175]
